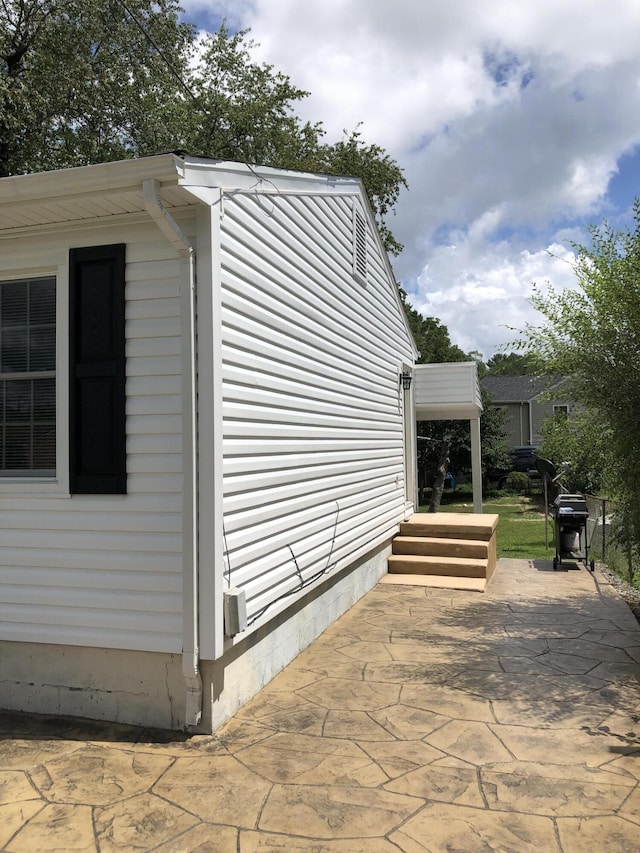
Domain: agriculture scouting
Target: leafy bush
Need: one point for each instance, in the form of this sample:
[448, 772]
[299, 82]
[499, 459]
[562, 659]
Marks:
[577, 445]
[518, 482]
[591, 335]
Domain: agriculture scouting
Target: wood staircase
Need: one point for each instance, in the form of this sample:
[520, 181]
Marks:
[453, 550]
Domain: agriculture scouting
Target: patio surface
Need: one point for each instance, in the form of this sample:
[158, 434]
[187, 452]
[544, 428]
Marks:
[422, 720]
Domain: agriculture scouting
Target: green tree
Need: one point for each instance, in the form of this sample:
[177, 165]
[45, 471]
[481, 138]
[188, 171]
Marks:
[87, 81]
[382, 177]
[243, 110]
[511, 364]
[447, 444]
[579, 447]
[456, 436]
[81, 83]
[493, 437]
[592, 335]
[432, 338]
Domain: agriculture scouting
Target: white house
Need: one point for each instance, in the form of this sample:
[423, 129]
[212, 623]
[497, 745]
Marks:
[206, 446]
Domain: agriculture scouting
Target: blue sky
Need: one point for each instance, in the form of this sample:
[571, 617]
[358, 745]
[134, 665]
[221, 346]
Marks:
[515, 123]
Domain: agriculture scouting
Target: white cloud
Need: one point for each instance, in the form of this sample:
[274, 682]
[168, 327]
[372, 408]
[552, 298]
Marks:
[509, 119]
[481, 291]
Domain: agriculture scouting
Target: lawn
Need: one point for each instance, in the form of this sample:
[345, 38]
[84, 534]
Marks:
[521, 525]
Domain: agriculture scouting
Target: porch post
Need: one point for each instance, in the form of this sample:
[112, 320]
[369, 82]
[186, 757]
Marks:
[476, 464]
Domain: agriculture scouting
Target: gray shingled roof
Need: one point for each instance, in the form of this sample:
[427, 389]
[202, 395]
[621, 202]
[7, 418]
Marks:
[517, 389]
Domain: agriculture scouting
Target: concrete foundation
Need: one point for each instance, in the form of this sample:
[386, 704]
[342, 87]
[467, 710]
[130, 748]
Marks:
[145, 688]
[103, 684]
[236, 677]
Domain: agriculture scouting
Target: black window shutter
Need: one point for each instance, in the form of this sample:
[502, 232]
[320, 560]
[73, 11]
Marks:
[97, 440]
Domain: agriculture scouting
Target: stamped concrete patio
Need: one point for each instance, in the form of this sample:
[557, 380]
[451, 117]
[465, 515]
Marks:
[423, 720]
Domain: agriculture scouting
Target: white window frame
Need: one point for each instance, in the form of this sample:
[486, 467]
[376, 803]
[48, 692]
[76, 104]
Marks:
[561, 408]
[58, 484]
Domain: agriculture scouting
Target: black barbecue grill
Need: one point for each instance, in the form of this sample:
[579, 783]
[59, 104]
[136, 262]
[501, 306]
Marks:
[570, 515]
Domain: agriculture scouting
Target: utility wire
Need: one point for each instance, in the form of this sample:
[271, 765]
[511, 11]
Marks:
[156, 47]
[196, 100]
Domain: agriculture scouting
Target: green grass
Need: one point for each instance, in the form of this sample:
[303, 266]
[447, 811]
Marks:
[521, 525]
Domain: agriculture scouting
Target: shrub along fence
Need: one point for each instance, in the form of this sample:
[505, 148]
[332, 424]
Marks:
[609, 538]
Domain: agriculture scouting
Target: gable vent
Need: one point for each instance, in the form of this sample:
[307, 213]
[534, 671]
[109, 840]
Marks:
[359, 245]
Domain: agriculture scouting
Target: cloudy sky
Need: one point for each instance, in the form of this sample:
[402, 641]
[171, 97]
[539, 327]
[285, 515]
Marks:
[516, 123]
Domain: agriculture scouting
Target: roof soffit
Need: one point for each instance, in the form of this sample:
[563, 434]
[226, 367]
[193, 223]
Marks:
[86, 193]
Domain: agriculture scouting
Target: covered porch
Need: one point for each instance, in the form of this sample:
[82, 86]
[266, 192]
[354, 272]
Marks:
[451, 391]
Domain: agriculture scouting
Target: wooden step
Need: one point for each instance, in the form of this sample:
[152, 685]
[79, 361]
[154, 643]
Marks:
[410, 564]
[429, 546]
[445, 550]
[437, 582]
[450, 525]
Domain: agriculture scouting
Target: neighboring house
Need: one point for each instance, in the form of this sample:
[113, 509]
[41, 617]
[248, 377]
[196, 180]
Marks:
[206, 445]
[526, 401]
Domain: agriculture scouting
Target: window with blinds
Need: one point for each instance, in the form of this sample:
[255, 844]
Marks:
[28, 378]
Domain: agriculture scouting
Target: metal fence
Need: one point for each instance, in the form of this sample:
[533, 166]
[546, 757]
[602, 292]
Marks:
[608, 540]
[599, 525]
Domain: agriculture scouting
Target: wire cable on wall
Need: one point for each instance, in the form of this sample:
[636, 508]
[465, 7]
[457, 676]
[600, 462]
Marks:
[303, 583]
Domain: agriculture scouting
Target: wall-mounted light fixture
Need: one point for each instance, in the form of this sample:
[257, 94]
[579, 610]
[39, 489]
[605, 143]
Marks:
[405, 381]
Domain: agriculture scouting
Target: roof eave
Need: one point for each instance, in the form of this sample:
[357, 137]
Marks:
[82, 179]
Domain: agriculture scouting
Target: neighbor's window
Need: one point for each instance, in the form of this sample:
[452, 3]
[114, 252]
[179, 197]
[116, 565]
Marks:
[560, 411]
[28, 377]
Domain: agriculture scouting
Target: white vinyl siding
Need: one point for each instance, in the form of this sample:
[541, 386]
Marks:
[106, 571]
[302, 380]
[447, 391]
[540, 411]
[313, 423]
[516, 423]
[360, 244]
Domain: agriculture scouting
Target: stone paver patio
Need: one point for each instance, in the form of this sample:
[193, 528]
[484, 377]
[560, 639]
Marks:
[423, 720]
